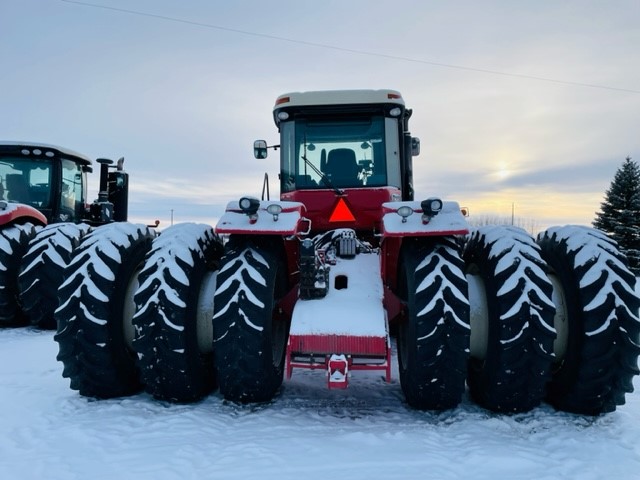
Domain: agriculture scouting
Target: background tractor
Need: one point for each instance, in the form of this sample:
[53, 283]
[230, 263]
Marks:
[318, 279]
[43, 215]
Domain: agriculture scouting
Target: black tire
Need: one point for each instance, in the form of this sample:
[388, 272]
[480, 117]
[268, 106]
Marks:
[250, 335]
[510, 370]
[14, 242]
[95, 301]
[42, 270]
[599, 358]
[172, 363]
[433, 339]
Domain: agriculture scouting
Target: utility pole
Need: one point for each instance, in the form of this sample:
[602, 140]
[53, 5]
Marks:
[172, 217]
[512, 212]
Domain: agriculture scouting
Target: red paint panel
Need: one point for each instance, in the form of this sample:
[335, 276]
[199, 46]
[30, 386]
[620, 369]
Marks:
[340, 344]
[364, 204]
[19, 213]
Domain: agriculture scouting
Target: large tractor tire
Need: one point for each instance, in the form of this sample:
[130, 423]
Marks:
[174, 303]
[433, 339]
[250, 335]
[42, 270]
[95, 329]
[598, 327]
[14, 242]
[512, 331]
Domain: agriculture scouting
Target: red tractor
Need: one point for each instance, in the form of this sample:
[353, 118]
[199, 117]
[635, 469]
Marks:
[319, 279]
[46, 186]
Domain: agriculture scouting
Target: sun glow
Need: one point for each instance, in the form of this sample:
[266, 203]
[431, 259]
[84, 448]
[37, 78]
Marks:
[503, 172]
[504, 162]
[545, 207]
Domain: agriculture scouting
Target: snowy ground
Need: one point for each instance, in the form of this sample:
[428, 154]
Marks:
[367, 432]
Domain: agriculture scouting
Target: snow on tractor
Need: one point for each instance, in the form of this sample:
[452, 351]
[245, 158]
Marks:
[318, 279]
[43, 216]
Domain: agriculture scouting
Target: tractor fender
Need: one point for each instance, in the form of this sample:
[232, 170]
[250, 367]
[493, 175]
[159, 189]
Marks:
[19, 213]
[289, 221]
[448, 221]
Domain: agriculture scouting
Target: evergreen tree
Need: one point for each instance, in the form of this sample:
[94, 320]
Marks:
[619, 215]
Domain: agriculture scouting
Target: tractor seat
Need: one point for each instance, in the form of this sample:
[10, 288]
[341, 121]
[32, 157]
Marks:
[342, 168]
[17, 188]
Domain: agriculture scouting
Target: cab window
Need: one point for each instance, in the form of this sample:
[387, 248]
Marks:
[72, 191]
[324, 153]
[26, 181]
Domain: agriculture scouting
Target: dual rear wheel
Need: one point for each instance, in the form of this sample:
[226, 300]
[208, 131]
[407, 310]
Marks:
[553, 320]
[136, 313]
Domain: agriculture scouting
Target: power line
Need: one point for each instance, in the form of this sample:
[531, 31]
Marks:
[348, 50]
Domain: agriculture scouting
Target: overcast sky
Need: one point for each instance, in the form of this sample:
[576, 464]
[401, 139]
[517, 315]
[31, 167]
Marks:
[182, 100]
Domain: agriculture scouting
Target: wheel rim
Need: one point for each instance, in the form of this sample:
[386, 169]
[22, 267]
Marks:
[479, 317]
[278, 340]
[129, 309]
[403, 355]
[204, 314]
[561, 318]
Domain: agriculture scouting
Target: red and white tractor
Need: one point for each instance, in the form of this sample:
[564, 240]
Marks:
[319, 278]
[43, 216]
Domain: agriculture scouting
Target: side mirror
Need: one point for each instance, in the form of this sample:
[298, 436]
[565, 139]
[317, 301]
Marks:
[415, 146]
[260, 149]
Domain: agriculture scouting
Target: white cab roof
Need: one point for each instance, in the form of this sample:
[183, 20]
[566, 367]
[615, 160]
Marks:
[338, 97]
[45, 146]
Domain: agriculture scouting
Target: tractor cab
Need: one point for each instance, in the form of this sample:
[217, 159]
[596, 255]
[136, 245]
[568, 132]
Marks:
[48, 184]
[343, 154]
[50, 179]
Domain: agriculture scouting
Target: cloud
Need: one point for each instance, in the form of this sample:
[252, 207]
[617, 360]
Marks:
[183, 104]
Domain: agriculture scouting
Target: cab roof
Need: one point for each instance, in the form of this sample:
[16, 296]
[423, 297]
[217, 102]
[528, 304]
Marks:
[29, 149]
[338, 97]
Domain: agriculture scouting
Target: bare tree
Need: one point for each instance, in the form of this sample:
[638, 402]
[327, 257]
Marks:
[529, 224]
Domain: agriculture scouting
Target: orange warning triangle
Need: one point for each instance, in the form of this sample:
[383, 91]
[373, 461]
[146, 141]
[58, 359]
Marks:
[341, 213]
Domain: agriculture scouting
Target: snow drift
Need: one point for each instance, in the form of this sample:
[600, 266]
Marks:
[367, 431]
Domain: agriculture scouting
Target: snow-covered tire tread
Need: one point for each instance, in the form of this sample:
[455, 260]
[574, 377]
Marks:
[14, 242]
[91, 338]
[250, 281]
[433, 342]
[171, 364]
[519, 351]
[603, 343]
[43, 268]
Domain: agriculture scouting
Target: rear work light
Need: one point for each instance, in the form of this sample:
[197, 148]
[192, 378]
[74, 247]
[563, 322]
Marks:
[405, 211]
[430, 208]
[249, 206]
[275, 210]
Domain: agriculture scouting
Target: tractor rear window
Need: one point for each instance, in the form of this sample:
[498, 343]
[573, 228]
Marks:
[338, 153]
[25, 181]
